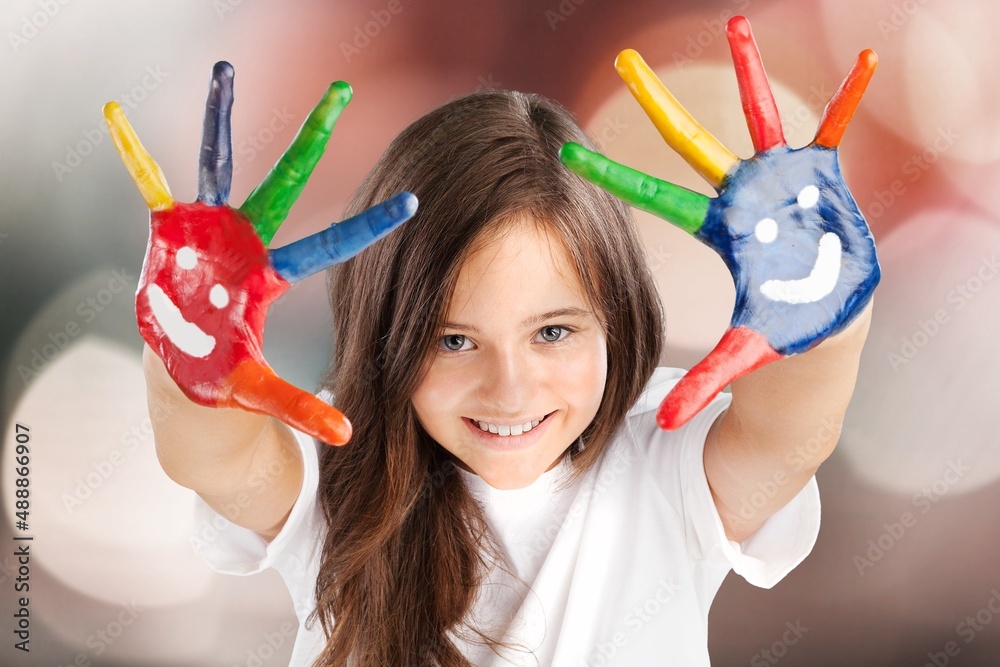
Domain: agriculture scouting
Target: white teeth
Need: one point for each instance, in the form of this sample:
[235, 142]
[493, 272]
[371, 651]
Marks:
[504, 431]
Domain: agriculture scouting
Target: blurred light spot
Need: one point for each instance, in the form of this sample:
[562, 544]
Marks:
[108, 515]
[919, 408]
[934, 84]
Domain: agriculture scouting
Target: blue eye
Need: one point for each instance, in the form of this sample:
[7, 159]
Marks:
[452, 338]
[549, 334]
[556, 328]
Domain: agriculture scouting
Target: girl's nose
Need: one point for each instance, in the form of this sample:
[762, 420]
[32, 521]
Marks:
[509, 382]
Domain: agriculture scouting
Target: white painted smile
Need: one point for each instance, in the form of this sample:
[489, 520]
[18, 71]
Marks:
[186, 336]
[821, 281]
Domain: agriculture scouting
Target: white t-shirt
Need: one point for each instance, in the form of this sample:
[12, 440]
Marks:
[622, 565]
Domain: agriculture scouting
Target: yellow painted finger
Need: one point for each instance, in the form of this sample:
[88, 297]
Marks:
[679, 129]
[141, 166]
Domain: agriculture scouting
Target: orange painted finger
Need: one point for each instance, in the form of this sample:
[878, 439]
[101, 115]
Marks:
[845, 101]
[256, 387]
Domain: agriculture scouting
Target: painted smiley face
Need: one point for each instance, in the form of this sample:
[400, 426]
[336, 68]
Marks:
[186, 336]
[799, 250]
[207, 283]
[791, 234]
[825, 271]
[208, 278]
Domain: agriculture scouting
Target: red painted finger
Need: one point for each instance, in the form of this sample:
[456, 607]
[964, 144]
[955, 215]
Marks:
[739, 352]
[759, 107]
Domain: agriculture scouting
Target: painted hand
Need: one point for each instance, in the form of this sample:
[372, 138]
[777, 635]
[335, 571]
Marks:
[800, 252]
[208, 278]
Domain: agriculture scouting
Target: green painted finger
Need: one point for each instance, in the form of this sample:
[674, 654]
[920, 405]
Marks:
[680, 206]
[268, 205]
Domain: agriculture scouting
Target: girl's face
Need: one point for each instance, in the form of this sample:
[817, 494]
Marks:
[520, 345]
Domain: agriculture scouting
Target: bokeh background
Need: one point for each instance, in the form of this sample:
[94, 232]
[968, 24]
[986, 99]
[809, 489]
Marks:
[906, 570]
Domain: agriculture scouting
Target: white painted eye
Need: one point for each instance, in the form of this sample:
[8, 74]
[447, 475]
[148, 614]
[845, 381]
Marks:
[766, 230]
[187, 258]
[218, 296]
[808, 196]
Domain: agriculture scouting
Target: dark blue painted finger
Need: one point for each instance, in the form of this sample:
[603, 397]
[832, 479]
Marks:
[215, 162]
[342, 240]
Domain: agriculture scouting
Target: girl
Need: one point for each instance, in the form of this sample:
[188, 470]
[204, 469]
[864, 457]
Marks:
[507, 497]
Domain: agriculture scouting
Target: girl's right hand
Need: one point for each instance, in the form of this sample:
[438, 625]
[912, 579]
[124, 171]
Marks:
[208, 278]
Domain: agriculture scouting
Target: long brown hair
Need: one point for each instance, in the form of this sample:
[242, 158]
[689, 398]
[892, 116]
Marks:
[407, 546]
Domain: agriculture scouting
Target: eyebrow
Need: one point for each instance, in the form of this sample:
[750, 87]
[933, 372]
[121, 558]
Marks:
[531, 321]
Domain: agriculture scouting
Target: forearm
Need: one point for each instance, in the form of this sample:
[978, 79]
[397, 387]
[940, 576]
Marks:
[791, 411]
[784, 421]
[246, 466]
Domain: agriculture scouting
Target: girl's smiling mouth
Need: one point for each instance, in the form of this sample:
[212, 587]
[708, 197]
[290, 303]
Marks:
[506, 437]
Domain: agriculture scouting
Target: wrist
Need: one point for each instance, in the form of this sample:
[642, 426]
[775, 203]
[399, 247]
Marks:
[158, 380]
[855, 334]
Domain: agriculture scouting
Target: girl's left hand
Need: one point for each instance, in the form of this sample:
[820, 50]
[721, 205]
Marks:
[800, 252]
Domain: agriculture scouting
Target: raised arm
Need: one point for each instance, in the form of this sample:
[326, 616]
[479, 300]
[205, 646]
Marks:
[208, 280]
[784, 421]
[804, 265]
[245, 465]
